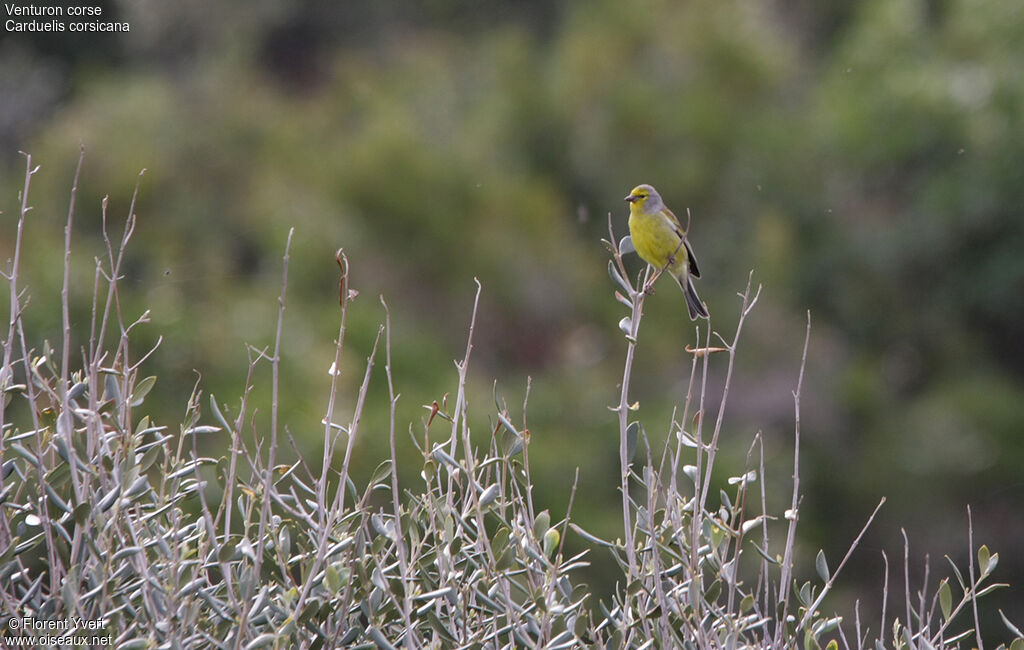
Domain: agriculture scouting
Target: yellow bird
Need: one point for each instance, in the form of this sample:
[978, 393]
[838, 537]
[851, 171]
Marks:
[661, 242]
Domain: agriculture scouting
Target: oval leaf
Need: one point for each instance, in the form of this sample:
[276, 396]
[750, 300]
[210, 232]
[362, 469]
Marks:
[142, 389]
[551, 539]
[489, 495]
[945, 599]
[632, 436]
[541, 524]
[983, 560]
[822, 566]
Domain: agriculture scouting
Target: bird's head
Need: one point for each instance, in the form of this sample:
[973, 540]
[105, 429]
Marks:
[644, 199]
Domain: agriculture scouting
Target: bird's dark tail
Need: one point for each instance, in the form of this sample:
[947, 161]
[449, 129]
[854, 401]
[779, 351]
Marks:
[693, 302]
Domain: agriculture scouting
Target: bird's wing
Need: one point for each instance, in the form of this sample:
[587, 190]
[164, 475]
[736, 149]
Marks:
[675, 222]
[694, 271]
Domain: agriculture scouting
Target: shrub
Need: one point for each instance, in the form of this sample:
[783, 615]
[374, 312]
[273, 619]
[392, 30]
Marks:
[114, 519]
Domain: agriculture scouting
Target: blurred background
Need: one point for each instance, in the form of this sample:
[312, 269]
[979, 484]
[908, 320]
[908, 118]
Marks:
[864, 159]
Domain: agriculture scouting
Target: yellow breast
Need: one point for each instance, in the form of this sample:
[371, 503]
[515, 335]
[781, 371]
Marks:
[655, 240]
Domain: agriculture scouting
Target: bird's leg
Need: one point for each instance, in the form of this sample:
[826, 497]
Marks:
[649, 287]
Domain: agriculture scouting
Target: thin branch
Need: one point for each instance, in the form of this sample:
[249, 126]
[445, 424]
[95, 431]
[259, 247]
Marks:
[885, 596]
[403, 564]
[268, 470]
[794, 514]
[906, 584]
[832, 578]
[974, 587]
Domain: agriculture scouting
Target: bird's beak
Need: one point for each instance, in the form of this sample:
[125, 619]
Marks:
[630, 199]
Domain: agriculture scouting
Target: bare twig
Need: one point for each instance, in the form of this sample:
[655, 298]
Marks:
[832, 578]
[636, 313]
[908, 630]
[974, 585]
[712, 449]
[793, 515]
[403, 563]
[268, 470]
[885, 597]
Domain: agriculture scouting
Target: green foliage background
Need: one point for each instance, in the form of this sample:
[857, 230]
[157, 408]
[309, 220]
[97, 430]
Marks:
[865, 158]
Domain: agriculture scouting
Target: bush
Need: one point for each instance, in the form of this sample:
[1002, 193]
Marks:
[113, 519]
